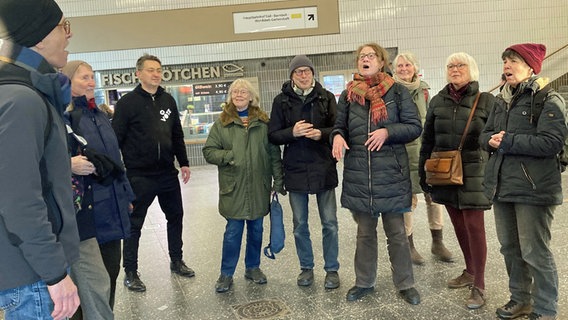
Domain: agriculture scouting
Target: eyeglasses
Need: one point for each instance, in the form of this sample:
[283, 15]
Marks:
[66, 24]
[306, 71]
[152, 70]
[370, 56]
[459, 66]
[242, 92]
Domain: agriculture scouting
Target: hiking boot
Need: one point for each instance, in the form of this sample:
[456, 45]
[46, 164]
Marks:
[536, 316]
[331, 280]
[439, 250]
[464, 280]
[133, 283]
[513, 310]
[255, 275]
[223, 283]
[306, 278]
[414, 255]
[476, 299]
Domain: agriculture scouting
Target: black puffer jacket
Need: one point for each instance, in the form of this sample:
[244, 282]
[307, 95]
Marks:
[443, 129]
[525, 168]
[379, 181]
[308, 164]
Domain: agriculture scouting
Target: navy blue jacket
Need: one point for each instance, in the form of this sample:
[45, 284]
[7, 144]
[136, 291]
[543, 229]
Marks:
[104, 212]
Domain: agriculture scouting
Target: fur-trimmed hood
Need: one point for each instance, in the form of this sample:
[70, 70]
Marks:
[230, 114]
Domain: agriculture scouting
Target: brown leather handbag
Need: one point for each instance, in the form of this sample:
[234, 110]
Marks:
[444, 168]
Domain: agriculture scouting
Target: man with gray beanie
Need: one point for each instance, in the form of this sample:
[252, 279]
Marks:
[38, 231]
[302, 118]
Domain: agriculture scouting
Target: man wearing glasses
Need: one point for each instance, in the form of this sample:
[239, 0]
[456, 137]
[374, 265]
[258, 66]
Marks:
[38, 231]
[148, 128]
[302, 118]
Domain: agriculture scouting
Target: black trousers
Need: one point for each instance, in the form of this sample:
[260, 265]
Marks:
[111, 253]
[146, 189]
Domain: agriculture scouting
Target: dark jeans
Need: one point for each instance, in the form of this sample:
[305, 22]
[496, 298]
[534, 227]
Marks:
[111, 253]
[232, 244]
[366, 252]
[146, 189]
[523, 231]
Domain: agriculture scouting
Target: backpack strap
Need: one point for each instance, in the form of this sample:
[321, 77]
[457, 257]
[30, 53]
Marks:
[537, 102]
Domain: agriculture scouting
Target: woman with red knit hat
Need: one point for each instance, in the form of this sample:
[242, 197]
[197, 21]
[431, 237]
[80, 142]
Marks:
[523, 179]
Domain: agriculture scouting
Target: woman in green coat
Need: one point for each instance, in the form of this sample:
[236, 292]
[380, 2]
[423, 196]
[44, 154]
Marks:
[247, 164]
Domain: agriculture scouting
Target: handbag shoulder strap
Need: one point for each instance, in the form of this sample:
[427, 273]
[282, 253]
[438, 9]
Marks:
[469, 121]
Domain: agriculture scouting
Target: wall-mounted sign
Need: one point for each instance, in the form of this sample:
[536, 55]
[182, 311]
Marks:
[275, 20]
[173, 74]
[211, 89]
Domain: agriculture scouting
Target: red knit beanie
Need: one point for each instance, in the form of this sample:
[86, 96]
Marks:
[532, 53]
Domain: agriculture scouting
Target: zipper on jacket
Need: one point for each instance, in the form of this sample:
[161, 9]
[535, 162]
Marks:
[528, 176]
[158, 145]
[369, 164]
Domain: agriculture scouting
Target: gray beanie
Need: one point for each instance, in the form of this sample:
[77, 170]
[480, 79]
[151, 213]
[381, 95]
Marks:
[300, 61]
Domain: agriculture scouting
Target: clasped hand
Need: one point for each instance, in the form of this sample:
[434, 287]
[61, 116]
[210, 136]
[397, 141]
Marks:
[305, 129]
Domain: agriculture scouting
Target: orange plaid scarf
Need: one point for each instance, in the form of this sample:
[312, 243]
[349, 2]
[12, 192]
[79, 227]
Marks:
[373, 89]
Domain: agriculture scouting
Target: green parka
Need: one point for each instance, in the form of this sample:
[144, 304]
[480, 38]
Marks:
[247, 162]
[420, 98]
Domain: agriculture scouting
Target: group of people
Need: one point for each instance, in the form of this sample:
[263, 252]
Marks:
[82, 202]
[385, 128]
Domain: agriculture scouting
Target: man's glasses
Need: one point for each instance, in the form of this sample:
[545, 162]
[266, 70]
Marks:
[66, 24]
[370, 56]
[306, 71]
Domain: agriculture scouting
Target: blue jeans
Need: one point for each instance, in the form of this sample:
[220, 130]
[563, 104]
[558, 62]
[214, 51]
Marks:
[232, 244]
[524, 234]
[29, 302]
[327, 208]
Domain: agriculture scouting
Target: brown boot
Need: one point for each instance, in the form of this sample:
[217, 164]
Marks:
[476, 299]
[464, 280]
[414, 255]
[439, 250]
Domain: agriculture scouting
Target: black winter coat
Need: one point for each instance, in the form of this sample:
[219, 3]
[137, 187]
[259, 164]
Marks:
[308, 164]
[149, 132]
[525, 168]
[443, 130]
[379, 181]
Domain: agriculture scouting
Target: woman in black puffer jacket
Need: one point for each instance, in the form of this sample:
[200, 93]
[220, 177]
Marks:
[445, 123]
[375, 118]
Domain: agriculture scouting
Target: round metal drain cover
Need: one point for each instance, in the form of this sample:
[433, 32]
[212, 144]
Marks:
[261, 309]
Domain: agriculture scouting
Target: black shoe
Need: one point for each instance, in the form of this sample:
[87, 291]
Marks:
[357, 293]
[331, 280]
[306, 278]
[223, 283]
[410, 295]
[133, 283]
[179, 267]
[255, 275]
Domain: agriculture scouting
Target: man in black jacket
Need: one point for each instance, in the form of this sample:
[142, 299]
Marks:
[302, 118]
[38, 231]
[147, 125]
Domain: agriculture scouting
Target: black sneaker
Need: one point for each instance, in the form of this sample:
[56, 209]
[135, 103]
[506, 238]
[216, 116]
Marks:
[179, 267]
[306, 278]
[255, 275]
[513, 310]
[133, 283]
[331, 280]
[223, 283]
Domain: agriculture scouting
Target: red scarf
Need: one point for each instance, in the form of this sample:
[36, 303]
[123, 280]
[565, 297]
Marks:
[372, 88]
[91, 104]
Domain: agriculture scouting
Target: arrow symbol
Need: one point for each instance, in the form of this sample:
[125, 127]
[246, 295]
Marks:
[311, 16]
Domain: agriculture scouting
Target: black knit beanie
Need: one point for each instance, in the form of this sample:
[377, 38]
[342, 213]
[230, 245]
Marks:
[27, 22]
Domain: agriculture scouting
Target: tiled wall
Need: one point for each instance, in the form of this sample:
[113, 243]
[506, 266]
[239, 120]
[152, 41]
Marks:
[431, 29]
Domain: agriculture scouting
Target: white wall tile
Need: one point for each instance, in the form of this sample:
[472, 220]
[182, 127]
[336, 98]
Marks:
[431, 29]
